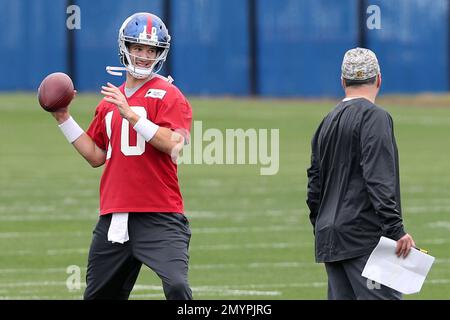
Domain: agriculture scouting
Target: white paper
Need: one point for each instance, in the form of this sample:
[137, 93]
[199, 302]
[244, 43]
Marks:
[118, 229]
[402, 274]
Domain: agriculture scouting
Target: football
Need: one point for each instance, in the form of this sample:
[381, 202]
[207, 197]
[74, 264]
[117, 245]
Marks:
[55, 92]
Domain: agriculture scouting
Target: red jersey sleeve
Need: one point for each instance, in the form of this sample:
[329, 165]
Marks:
[97, 129]
[175, 113]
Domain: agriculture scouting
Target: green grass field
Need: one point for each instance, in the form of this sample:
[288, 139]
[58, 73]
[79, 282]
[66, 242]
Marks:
[251, 234]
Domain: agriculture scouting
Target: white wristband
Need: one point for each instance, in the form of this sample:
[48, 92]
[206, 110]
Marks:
[146, 128]
[71, 130]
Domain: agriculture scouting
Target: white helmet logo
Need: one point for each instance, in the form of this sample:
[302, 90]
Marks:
[145, 36]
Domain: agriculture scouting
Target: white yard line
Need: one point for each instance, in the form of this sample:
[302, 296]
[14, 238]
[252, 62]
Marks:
[217, 247]
[31, 297]
[35, 214]
[437, 241]
[20, 284]
[443, 224]
[274, 245]
[282, 264]
[245, 229]
[44, 234]
[426, 209]
[219, 290]
[212, 290]
[147, 295]
[10, 235]
[55, 217]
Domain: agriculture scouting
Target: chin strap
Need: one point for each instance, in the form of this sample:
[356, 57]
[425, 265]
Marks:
[115, 70]
[169, 79]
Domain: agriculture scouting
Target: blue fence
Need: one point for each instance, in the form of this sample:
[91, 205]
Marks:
[412, 45]
[210, 46]
[96, 42]
[33, 42]
[301, 45]
[298, 44]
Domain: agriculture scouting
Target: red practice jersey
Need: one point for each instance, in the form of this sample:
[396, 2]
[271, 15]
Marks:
[137, 177]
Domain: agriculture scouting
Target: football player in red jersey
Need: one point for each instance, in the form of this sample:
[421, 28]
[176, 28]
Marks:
[136, 131]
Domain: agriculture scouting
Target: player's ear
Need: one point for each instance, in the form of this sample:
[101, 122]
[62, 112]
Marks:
[379, 80]
[343, 83]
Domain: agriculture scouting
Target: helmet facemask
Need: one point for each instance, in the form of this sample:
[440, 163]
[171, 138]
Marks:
[139, 72]
[146, 29]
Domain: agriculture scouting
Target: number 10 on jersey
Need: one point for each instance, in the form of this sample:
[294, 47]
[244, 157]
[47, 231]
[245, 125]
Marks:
[125, 147]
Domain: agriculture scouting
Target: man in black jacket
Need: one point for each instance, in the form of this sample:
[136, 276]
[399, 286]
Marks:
[353, 183]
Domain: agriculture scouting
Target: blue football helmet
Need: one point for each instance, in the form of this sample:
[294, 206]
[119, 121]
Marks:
[147, 29]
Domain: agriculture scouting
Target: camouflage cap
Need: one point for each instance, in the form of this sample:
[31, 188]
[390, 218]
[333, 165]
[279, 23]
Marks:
[359, 64]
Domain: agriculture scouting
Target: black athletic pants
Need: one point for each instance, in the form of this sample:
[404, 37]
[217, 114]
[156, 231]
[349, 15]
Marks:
[158, 240]
[345, 282]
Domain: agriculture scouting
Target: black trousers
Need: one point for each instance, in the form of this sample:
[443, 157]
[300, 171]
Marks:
[345, 282]
[158, 240]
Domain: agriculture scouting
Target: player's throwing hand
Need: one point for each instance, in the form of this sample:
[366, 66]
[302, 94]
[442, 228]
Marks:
[114, 95]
